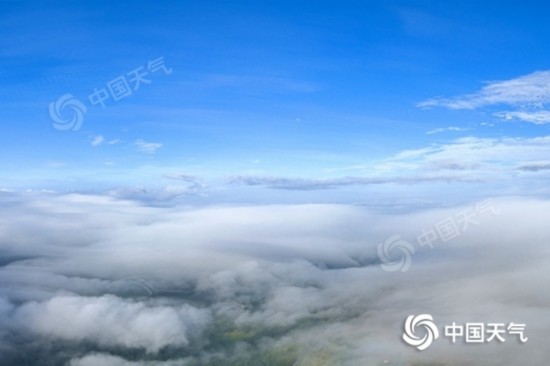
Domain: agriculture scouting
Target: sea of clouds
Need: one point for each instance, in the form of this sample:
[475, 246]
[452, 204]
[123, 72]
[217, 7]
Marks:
[90, 280]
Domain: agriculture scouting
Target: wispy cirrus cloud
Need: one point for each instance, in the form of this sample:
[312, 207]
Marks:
[462, 160]
[489, 155]
[303, 184]
[532, 89]
[97, 140]
[537, 117]
[147, 147]
[530, 94]
[446, 129]
[184, 178]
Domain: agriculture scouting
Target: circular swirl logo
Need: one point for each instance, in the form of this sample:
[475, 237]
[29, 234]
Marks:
[391, 244]
[431, 332]
[131, 287]
[65, 121]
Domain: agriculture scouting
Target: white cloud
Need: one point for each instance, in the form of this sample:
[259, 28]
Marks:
[532, 89]
[529, 93]
[147, 147]
[97, 140]
[536, 117]
[487, 155]
[109, 320]
[445, 129]
[244, 285]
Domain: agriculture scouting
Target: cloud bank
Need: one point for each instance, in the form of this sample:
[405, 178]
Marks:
[94, 280]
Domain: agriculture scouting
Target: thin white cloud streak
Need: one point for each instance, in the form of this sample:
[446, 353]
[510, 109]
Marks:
[529, 94]
[147, 147]
[194, 182]
[484, 155]
[466, 160]
[97, 140]
[532, 90]
[303, 184]
[446, 129]
[536, 117]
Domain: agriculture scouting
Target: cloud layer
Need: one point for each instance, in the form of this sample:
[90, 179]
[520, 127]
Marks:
[89, 280]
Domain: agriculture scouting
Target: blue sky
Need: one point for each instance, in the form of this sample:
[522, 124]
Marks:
[278, 100]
